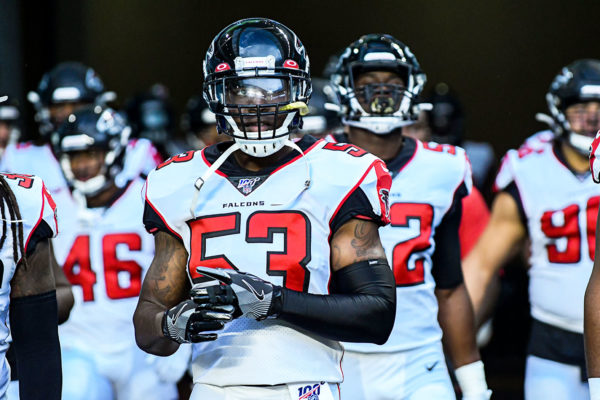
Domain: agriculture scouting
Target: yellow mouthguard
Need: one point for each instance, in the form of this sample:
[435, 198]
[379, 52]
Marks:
[298, 105]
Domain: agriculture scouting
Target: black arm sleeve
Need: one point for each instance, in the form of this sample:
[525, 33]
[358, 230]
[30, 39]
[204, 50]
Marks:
[357, 205]
[37, 349]
[362, 307]
[446, 267]
[42, 232]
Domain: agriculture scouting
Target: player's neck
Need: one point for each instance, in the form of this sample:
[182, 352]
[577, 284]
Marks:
[103, 198]
[577, 161]
[256, 164]
[385, 147]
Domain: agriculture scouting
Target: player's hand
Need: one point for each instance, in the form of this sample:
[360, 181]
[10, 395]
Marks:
[254, 295]
[208, 310]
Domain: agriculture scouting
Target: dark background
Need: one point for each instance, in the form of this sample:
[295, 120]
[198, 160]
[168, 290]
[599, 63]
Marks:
[500, 56]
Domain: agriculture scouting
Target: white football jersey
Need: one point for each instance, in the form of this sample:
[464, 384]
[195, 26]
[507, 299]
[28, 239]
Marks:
[35, 205]
[560, 209]
[427, 179]
[272, 226]
[104, 252]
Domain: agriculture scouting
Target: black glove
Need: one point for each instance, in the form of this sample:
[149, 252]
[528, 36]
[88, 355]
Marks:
[208, 310]
[255, 297]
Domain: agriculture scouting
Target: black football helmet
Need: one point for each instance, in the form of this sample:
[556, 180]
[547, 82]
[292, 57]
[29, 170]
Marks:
[390, 106]
[68, 82]
[446, 118]
[257, 82]
[151, 115]
[93, 127]
[578, 82]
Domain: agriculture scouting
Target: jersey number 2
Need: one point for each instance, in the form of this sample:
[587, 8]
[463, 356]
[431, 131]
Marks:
[78, 267]
[417, 218]
[260, 228]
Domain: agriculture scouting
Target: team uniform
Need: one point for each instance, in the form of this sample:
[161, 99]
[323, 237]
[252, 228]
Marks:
[38, 212]
[105, 252]
[560, 216]
[140, 158]
[273, 226]
[424, 209]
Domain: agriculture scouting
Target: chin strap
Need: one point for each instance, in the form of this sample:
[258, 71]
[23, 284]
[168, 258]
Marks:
[307, 182]
[200, 181]
[235, 146]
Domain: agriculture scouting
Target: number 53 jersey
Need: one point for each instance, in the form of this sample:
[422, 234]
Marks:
[559, 208]
[104, 252]
[269, 225]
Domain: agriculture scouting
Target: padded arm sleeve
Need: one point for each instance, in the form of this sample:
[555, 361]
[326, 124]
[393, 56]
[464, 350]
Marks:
[35, 337]
[362, 307]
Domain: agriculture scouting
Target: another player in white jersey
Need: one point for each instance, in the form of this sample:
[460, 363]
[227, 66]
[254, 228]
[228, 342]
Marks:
[27, 288]
[548, 196]
[104, 251]
[64, 89]
[289, 228]
[378, 80]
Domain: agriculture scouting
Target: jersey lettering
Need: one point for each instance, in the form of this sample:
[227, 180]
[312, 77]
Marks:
[565, 224]
[260, 228]
[78, 266]
[25, 181]
[418, 219]
[183, 157]
[439, 147]
[350, 149]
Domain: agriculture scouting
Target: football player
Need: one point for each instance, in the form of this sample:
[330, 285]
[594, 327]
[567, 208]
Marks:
[378, 80]
[27, 287]
[547, 196]
[289, 229]
[68, 87]
[104, 251]
[151, 116]
[198, 124]
[9, 118]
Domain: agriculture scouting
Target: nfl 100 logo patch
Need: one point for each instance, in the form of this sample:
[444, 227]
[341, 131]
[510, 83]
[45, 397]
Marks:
[310, 391]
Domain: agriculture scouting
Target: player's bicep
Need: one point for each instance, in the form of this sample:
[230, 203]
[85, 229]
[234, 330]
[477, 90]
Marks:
[166, 282]
[37, 276]
[357, 240]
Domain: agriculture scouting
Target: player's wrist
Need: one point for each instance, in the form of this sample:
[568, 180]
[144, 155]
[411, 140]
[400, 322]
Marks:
[471, 379]
[594, 384]
[276, 302]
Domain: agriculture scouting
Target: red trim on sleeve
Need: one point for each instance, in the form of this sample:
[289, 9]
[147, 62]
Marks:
[36, 225]
[159, 214]
[52, 205]
[362, 178]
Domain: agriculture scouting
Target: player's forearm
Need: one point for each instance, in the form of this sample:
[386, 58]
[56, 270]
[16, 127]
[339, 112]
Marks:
[457, 322]
[478, 282]
[362, 310]
[149, 336]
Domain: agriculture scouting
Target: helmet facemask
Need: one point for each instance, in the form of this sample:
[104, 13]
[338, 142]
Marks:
[259, 110]
[384, 104]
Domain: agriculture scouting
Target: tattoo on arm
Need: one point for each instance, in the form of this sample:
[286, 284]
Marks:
[166, 282]
[356, 240]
